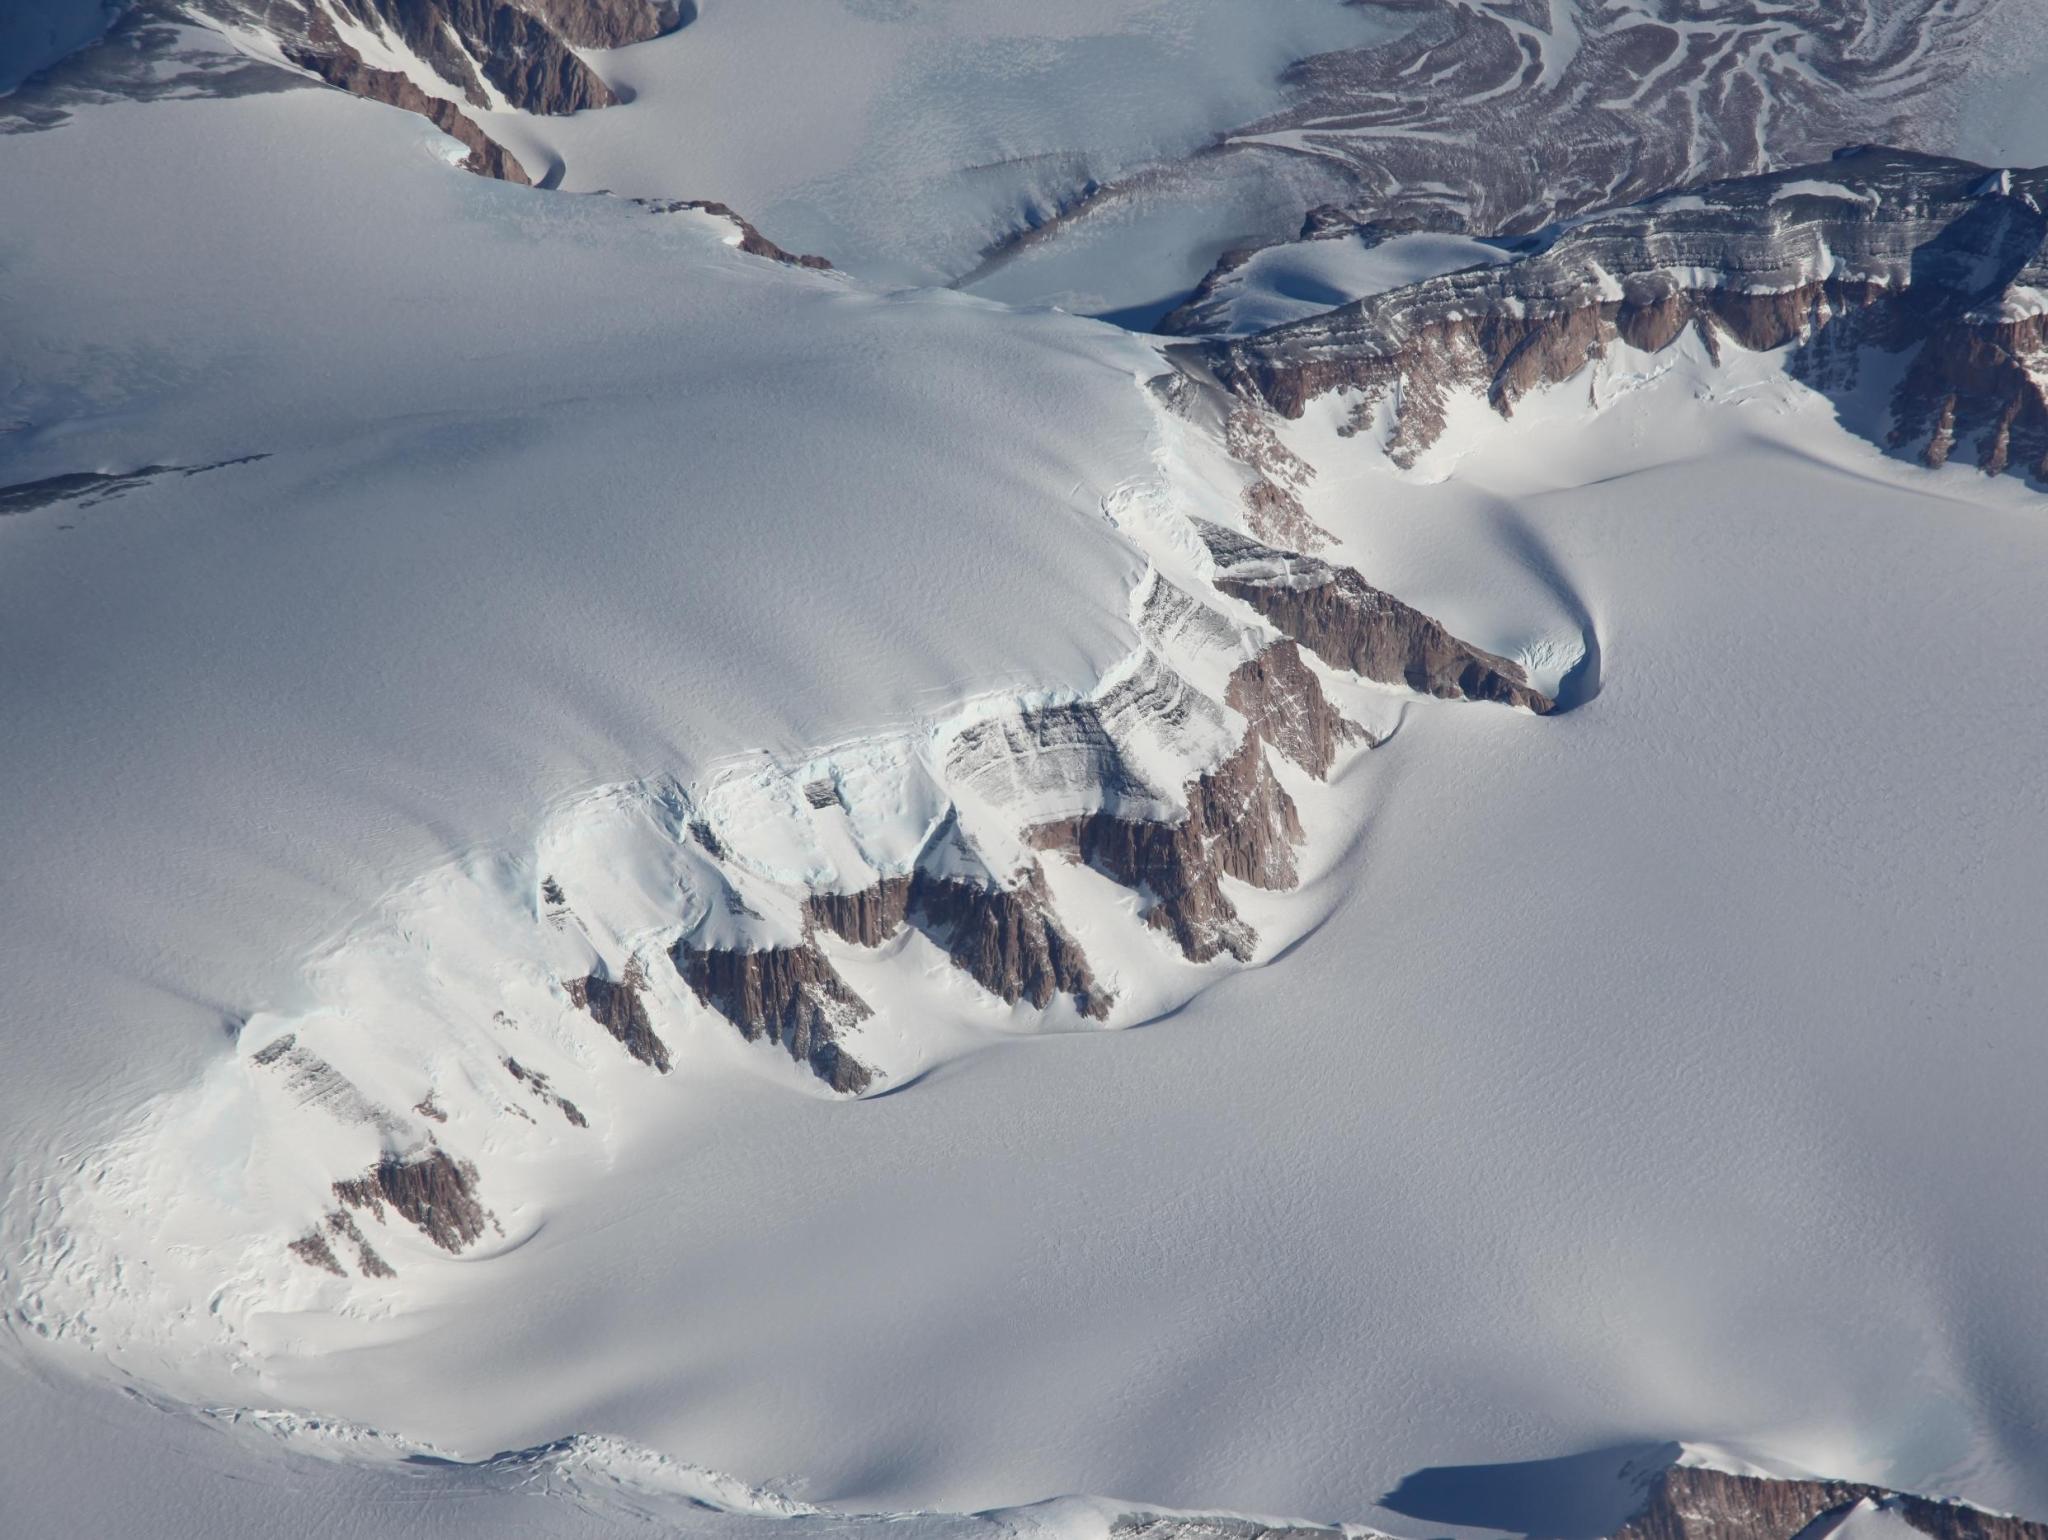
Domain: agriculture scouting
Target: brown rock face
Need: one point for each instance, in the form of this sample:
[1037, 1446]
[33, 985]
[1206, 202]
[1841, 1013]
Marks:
[611, 23]
[1008, 941]
[618, 1008]
[339, 65]
[434, 1192]
[1240, 823]
[1687, 1503]
[1272, 503]
[523, 50]
[1937, 259]
[1989, 376]
[1345, 621]
[531, 67]
[343, 1223]
[1281, 697]
[791, 995]
[538, 1083]
[866, 918]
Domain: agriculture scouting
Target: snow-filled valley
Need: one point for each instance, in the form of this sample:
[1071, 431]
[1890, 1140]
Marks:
[655, 886]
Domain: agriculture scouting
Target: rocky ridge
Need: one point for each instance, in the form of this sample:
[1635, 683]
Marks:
[1168, 784]
[1349, 624]
[1688, 1501]
[1937, 262]
[445, 59]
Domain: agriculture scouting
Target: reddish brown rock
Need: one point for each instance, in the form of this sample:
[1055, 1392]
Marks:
[1691, 1503]
[1008, 940]
[618, 1008]
[752, 241]
[431, 1190]
[1283, 700]
[790, 995]
[340, 65]
[1345, 621]
[1240, 823]
[867, 917]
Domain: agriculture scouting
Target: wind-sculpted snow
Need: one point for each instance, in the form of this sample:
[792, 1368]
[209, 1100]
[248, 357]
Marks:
[1937, 261]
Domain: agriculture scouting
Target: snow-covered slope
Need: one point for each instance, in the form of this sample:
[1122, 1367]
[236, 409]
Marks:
[586, 798]
[1105, 156]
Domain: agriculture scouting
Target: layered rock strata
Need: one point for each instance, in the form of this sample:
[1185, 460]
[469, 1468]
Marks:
[1690, 1502]
[1938, 259]
[1349, 624]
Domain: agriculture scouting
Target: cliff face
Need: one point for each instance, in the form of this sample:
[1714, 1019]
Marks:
[1936, 259]
[1009, 941]
[867, 917]
[612, 23]
[487, 54]
[618, 1008]
[339, 65]
[1240, 822]
[1283, 700]
[1345, 621]
[520, 54]
[790, 995]
[1692, 1503]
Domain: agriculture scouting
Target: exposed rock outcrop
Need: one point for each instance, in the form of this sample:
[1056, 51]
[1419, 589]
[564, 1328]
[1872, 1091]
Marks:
[342, 1223]
[1003, 936]
[89, 488]
[431, 1190]
[340, 65]
[1272, 503]
[751, 239]
[1508, 116]
[867, 917]
[1689, 1502]
[522, 57]
[1878, 248]
[313, 1250]
[1240, 822]
[1008, 940]
[1283, 700]
[1345, 621]
[790, 995]
[488, 54]
[618, 1008]
[612, 23]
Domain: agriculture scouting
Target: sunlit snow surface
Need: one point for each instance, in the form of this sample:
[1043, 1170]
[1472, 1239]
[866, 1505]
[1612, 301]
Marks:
[902, 136]
[1665, 1069]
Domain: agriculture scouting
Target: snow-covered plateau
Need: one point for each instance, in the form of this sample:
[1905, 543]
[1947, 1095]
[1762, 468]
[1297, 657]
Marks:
[655, 884]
